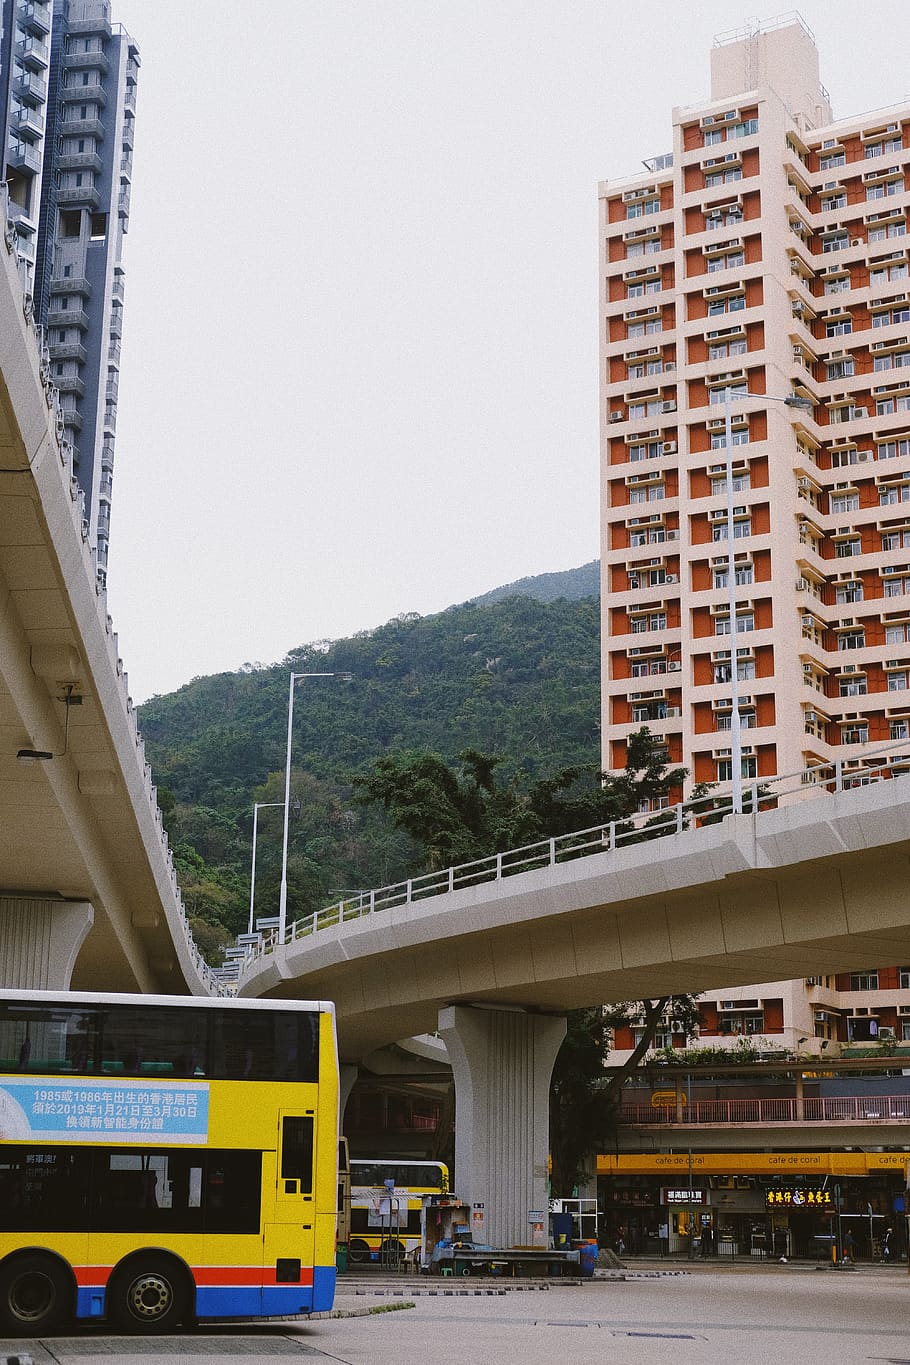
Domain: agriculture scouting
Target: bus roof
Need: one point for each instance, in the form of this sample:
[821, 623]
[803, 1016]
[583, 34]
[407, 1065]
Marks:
[187, 1001]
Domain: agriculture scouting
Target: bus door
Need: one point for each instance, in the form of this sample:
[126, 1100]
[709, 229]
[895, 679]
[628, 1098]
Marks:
[289, 1241]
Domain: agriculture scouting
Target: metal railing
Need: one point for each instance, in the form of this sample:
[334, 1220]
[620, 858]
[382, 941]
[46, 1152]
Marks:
[814, 1109]
[822, 779]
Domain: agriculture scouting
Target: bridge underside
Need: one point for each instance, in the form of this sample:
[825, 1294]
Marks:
[812, 889]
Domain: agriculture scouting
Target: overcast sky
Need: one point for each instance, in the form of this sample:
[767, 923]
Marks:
[360, 334]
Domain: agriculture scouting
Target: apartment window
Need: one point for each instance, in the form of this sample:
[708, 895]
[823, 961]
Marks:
[736, 391]
[896, 635]
[720, 350]
[840, 369]
[838, 286]
[851, 639]
[854, 686]
[744, 129]
[828, 163]
[885, 406]
[841, 328]
[656, 620]
[70, 222]
[728, 177]
[742, 574]
[723, 720]
[741, 529]
[729, 260]
[713, 136]
[889, 450]
[639, 207]
[846, 549]
[864, 981]
[739, 436]
[896, 586]
[873, 149]
[733, 303]
[745, 620]
[837, 241]
[834, 201]
[896, 360]
[848, 592]
[889, 494]
[645, 450]
[725, 774]
[885, 190]
[895, 540]
[740, 481]
[885, 273]
[897, 680]
[900, 729]
[845, 502]
[884, 231]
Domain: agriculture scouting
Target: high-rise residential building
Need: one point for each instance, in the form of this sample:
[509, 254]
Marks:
[67, 100]
[764, 258]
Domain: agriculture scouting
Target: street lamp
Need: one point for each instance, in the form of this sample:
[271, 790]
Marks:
[736, 745]
[283, 895]
[258, 806]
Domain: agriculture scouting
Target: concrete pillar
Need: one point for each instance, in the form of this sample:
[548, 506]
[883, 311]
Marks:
[502, 1061]
[348, 1072]
[40, 941]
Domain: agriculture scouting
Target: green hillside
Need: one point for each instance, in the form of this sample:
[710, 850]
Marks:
[516, 677]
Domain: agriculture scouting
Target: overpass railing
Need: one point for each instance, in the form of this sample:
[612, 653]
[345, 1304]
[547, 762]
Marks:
[817, 780]
[730, 1113]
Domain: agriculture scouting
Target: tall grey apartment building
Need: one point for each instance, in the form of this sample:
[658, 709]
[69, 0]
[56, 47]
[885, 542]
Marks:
[67, 105]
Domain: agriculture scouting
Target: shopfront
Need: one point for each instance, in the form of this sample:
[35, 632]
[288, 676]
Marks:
[754, 1204]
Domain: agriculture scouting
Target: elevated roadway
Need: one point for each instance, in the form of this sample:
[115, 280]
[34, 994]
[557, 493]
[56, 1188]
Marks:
[88, 895]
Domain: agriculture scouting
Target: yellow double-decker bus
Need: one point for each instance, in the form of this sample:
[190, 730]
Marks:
[165, 1159]
[386, 1199]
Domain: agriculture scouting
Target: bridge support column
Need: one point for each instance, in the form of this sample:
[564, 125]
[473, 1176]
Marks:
[40, 941]
[502, 1061]
[347, 1075]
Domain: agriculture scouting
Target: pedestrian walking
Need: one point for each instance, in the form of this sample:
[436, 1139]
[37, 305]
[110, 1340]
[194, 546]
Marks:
[886, 1244]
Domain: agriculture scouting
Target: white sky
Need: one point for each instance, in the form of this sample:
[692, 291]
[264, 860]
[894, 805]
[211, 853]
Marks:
[360, 335]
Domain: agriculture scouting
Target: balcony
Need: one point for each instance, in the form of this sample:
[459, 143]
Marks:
[27, 120]
[70, 383]
[22, 156]
[86, 61]
[72, 284]
[33, 54]
[836, 1109]
[99, 26]
[81, 196]
[31, 86]
[73, 126]
[79, 161]
[69, 317]
[67, 350]
[35, 17]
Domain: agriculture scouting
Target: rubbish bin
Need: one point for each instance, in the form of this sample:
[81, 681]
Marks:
[587, 1258]
[561, 1228]
[341, 1257]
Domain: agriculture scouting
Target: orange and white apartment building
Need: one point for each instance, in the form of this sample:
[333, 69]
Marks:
[766, 257]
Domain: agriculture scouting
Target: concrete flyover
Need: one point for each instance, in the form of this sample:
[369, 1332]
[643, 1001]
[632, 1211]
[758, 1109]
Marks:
[817, 886]
[88, 896]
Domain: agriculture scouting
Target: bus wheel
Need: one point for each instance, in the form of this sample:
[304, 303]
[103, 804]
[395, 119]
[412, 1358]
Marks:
[358, 1251]
[148, 1294]
[36, 1293]
[391, 1253]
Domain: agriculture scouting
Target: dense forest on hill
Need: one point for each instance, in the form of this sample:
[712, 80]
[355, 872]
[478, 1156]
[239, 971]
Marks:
[516, 677]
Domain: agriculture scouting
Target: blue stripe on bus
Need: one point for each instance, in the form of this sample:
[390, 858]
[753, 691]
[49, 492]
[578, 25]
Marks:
[238, 1301]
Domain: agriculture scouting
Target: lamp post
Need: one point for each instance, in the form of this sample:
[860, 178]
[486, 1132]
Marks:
[283, 894]
[258, 806]
[736, 743]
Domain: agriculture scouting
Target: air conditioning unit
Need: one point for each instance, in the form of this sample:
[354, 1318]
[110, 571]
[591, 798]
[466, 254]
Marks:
[672, 535]
[633, 580]
[804, 483]
[886, 1034]
[674, 666]
[672, 578]
[807, 670]
[617, 416]
[802, 585]
[856, 241]
[856, 413]
[797, 306]
[669, 405]
[669, 367]
[669, 447]
[673, 712]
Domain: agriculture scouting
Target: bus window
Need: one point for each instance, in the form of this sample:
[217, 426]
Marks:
[297, 1155]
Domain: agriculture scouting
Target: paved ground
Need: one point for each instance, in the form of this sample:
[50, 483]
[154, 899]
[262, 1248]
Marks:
[703, 1316]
